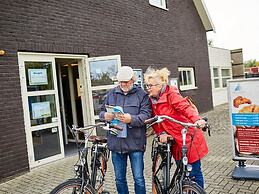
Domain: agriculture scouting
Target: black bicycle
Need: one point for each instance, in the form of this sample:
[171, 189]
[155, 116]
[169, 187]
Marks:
[181, 182]
[86, 182]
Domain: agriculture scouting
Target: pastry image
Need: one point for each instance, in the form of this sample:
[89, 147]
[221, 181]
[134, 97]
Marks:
[247, 109]
[250, 109]
[256, 109]
[241, 100]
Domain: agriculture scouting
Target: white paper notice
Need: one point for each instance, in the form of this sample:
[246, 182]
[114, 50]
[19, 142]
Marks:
[40, 110]
[37, 77]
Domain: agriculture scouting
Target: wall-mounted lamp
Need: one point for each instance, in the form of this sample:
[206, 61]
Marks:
[2, 52]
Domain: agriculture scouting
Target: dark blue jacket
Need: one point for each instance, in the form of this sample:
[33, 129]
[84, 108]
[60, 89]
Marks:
[137, 104]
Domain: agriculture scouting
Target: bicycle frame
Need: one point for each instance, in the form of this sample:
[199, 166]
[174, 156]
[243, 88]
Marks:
[82, 169]
[183, 169]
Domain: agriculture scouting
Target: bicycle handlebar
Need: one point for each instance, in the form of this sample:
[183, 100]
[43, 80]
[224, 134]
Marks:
[151, 120]
[160, 118]
[103, 125]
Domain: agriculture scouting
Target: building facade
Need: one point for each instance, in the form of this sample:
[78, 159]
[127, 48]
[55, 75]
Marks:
[221, 71]
[61, 57]
[238, 69]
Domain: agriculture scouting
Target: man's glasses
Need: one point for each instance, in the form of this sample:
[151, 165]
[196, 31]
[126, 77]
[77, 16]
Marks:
[150, 85]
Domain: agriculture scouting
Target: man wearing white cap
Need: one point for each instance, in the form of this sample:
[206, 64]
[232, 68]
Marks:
[137, 108]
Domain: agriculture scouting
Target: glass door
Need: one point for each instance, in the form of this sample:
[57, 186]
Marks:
[101, 77]
[41, 108]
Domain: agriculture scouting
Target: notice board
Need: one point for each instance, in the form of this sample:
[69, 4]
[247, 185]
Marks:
[243, 95]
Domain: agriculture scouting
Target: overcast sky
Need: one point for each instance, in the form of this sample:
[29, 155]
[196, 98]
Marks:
[237, 25]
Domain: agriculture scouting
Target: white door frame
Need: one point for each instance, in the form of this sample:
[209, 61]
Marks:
[100, 87]
[46, 57]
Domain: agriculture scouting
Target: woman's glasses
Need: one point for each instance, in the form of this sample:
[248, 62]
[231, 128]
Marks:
[150, 85]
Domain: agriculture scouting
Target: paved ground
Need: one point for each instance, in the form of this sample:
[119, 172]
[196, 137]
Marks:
[217, 167]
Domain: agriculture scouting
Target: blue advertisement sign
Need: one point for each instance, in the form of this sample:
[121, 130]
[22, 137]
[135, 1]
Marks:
[244, 114]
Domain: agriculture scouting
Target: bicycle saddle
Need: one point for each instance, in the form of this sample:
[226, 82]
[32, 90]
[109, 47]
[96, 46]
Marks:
[97, 139]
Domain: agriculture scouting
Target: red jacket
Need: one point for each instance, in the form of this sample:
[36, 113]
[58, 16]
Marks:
[172, 104]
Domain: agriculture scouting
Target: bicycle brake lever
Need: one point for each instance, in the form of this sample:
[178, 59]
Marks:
[159, 119]
[206, 128]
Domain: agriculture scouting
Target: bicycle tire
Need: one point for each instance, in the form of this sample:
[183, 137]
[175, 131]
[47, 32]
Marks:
[72, 186]
[189, 187]
[99, 171]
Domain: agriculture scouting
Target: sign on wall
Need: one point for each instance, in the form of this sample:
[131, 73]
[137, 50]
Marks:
[173, 82]
[139, 76]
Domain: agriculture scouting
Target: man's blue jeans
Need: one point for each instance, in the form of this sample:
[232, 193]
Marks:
[120, 167]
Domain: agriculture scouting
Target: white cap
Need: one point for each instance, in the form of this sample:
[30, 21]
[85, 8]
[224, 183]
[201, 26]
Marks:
[125, 73]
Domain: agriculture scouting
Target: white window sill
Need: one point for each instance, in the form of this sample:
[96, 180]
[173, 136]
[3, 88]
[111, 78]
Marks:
[188, 88]
[164, 8]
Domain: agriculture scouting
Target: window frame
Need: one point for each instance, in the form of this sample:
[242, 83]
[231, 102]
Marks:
[225, 77]
[220, 77]
[193, 80]
[216, 77]
[163, 4]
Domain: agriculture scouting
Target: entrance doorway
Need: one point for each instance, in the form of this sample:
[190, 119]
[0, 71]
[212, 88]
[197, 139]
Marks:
[60, 90]
[70, 98]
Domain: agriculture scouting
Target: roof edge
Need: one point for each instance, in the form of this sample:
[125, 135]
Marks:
[204, 15]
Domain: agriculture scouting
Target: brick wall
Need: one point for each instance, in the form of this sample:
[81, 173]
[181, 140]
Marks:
[142, 34]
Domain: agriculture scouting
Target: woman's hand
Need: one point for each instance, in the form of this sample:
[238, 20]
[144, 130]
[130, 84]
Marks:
[201, 123]
[164, 137]
[108, 116]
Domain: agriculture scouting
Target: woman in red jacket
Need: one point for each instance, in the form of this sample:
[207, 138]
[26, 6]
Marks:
[166, 100]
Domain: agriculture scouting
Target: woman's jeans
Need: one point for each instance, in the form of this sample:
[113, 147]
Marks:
[120, 167]
[197, 173]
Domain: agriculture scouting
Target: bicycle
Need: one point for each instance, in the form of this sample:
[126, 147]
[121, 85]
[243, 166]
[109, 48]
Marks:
[86, 182]
[181, 182]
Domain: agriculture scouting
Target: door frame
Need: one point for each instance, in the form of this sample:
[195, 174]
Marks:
[100, 87]
[43, 57]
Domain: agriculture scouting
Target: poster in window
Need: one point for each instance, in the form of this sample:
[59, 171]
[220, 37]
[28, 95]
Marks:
[37, 77]
[41, 110]
[244, 115]
[173, 82]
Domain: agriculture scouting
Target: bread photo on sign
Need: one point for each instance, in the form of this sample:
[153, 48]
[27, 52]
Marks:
[241, 100]
[250, 109]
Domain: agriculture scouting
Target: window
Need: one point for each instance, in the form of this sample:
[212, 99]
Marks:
[225, 74]
[216, 77]
[103, 72]
[186, 78]
[158, 3]
[220, 77]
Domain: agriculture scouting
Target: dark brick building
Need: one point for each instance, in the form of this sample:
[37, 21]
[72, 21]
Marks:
[57, 54]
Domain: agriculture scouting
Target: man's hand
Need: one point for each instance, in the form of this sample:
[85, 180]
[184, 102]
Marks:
[201, 123]
[125, 118]
[108, 116]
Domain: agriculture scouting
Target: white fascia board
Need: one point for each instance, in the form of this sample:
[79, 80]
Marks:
[204, 15]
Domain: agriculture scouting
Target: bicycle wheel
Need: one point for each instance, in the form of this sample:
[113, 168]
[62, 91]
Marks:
[189, 187]
[157, 174]
[99, 170]
[72, 186]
